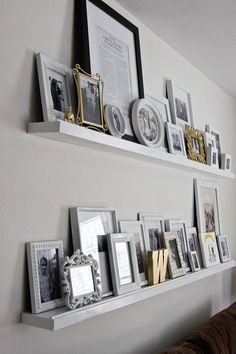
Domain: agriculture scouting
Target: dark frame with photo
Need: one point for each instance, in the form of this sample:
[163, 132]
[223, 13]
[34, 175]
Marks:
[44, 261]
[84, 40]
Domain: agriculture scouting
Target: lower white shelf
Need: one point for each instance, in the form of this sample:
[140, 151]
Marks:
[61, 318]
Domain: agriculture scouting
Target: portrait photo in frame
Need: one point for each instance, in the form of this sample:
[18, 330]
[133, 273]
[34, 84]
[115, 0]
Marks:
[193, 242]
[57, 88]
[223, 247]
[90, 227]
[180, 104]
[194, 261]
[44, 261]
[154, 228]
[137, 229]
[175, 259]
[124, 265]
[207, 206]
[109, 45]
[175, 138]
[210, 253]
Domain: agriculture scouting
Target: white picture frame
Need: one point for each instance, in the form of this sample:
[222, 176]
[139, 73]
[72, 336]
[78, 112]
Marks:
[217, 140]
[210, 253]
[175, 258]
[223, 247]
[179, 226]
[44, 261]
[226, 161]
[154, 229]
[137, 229]
[175, 138]
[89, 228]
[114, 120]
[147, 123]
[180, 104]
[193, 242]
[194, 261]
[207, 206]
[57, 88]
[124, 265]
[212, 156]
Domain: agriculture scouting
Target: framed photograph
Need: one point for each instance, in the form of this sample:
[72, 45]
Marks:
[57, 88]
[44, 261]
[147, 123]
[175, 259]
[175, 138]
[212, 156]
[209, 139]
[179, 226]
[194, 262]
[223, 247]
[90, 102]
[162, 106]
[207, 206]
[209, 248]
[226, 162]
[90, 227]
[217, 139]
[114, 120]
[109, 45]
[180, 104]
[195, 144]
[193, 242]
[124, 265]
[154, 229]
[80, 280]
[137, 229]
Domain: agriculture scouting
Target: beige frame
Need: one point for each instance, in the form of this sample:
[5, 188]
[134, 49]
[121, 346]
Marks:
[174, 272]
[79, 73]
[190, 134]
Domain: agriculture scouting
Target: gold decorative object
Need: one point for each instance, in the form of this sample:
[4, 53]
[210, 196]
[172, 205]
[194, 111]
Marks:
[195, 144]
[90, 99]
[157, 264]
[69, 116]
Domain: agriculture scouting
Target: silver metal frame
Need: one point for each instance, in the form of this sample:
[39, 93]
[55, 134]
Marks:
[151, 218]
[194, 267]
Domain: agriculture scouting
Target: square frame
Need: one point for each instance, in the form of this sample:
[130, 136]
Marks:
[175, 138]
[210, 254]
[175, 259]
[154, 222]
[100, 26]
[45, 287]
[223, 247]
[115, 259]
[137, 229]
[89, 228]
[207, 206]
[180, 104]
[57, 88]
[195, 144]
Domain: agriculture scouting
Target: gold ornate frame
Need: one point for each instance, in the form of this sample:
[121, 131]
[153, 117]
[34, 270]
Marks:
[79, 73]
[194, 134]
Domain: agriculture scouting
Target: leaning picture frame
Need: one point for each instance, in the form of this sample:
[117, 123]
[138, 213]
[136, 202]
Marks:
[195, 144]
[175, 259]
[57, 88]
[210, 253]
[223, 247]
[106, 38]
[90, 227]
[44, 261]
[175, 138]
[154, 229]
[124, 265]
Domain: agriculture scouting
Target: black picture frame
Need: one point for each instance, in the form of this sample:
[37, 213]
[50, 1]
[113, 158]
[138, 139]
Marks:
[83, 51]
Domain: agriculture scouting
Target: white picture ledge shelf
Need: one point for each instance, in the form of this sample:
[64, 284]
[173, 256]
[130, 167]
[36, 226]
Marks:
[74, 134]
[61, 318]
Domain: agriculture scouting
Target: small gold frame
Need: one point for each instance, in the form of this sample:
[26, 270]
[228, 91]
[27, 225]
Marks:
[90, 99]
[195, 144]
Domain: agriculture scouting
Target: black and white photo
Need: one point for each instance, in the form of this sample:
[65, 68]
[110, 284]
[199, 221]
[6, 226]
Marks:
[223, 247]
[90, 100]
[175, 139]
[175, 259]
[181, 110]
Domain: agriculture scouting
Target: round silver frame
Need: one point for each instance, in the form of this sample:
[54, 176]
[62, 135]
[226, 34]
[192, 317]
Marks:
[148, 130]
[114, 120]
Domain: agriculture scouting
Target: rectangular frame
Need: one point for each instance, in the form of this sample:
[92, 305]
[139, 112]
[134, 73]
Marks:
[91, 239]
[171, 239]
[153, 222]
[193, 242]
[210, 254]
[223, 247]
[176, 142]
[128, 239]
[208, 216]
[137, 229]
[99, 23]
[57, 88]
[194, 261]
[44, 284]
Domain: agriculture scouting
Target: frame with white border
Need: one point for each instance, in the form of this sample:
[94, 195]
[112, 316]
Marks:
[170, 128]
[223, 247]
[174, 270]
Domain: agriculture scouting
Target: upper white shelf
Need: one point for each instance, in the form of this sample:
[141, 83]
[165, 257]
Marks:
[61, 318]
[74, 134]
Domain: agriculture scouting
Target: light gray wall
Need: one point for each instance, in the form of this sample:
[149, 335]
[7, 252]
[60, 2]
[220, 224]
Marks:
[40, 179]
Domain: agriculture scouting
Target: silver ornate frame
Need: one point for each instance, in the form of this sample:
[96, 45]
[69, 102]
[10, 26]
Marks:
[80, 259]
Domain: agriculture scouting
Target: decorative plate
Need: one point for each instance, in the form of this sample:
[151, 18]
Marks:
[147, 123]
[114, 120]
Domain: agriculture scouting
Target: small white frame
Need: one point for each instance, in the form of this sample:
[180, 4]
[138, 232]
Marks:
[223, 247]
[210, 254]
[175, 258]
[137, 229]
[193, 242]
[45, 286]
[226, 160]
[175, 138]
[122, 255]
[194, 261]
[154, 229]
[57, 88]
[212, 156]
[180, 104]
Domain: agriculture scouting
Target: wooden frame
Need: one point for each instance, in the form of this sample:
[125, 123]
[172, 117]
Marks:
[209, 248]
[175, 259]
[99, 23]
[124, 265]
[44, 261]
[223, 247]
[175, 138]
[153, 230]
[80, 280]
[195, 144]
